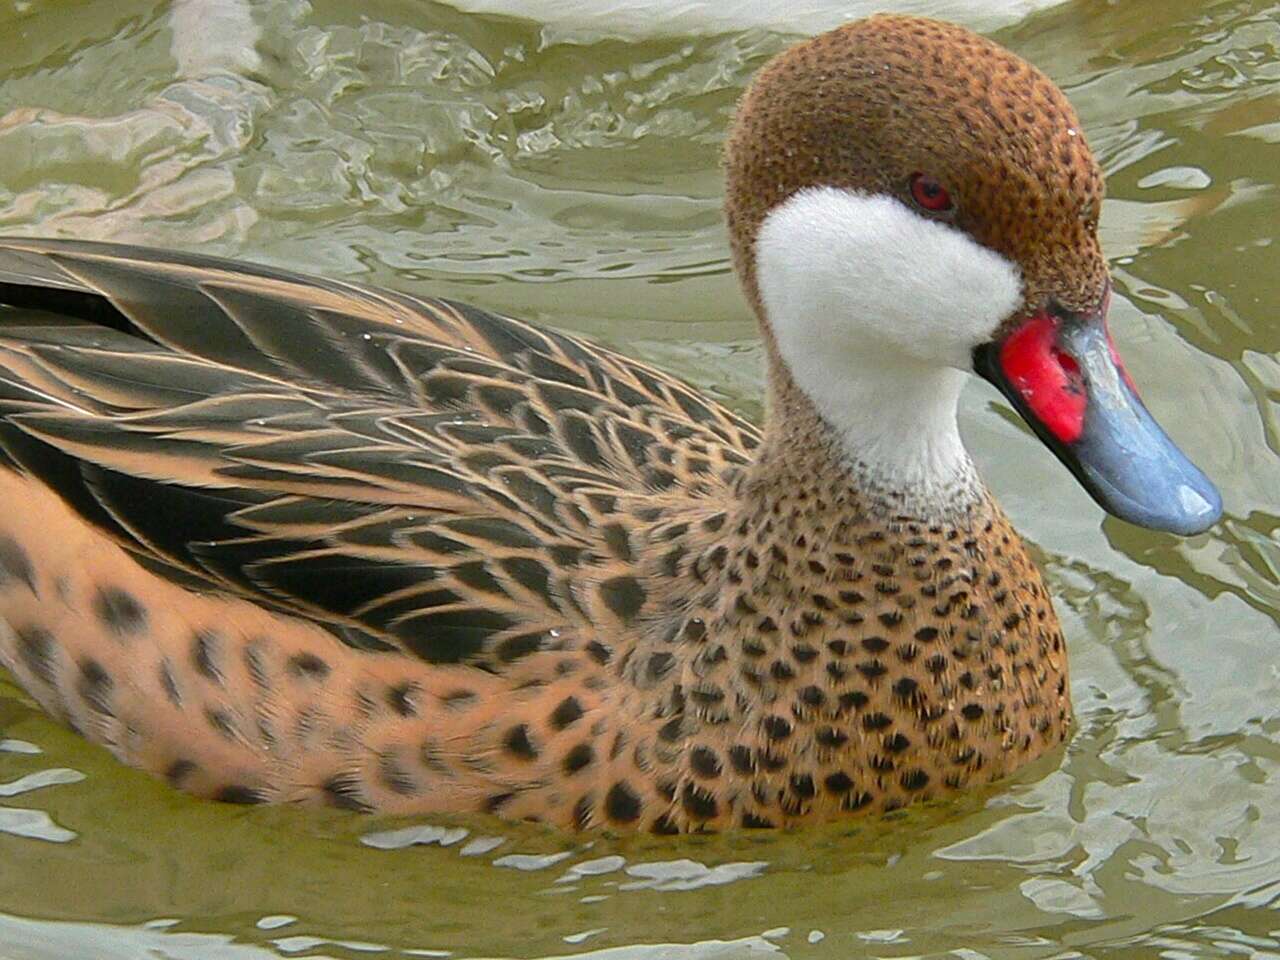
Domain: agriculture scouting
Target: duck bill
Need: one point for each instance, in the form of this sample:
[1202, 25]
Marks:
[1063, 375]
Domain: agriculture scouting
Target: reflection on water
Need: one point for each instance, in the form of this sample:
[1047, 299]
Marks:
[418, 146]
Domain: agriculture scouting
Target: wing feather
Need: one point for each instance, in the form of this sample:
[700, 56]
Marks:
[414, 474]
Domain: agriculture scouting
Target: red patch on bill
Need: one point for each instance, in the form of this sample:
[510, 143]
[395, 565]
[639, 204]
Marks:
[1115, 358]
[1048, 380]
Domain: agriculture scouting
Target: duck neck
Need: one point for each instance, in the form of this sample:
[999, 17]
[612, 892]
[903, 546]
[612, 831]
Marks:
[884, 430]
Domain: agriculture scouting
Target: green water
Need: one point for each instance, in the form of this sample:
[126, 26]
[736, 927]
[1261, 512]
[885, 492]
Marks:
[406, 144]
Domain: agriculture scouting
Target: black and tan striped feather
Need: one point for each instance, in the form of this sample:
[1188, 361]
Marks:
[415, 474]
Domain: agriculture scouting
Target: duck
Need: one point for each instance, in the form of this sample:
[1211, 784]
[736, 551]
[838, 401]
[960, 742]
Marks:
[284, 539]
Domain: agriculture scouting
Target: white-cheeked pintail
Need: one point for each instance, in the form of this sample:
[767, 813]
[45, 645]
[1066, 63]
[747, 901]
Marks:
[278, 538]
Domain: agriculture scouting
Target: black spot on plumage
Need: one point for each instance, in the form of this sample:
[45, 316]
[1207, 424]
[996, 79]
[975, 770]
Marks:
[578, 758]
[802, 786]
[495, 802]
[695, 630]
[876, 721]
[516, 742]
[704, 762]
[753, 821]
[659, 665]
[706, 695]
[238, 793]
[875, 644]
[205, 650]
[741, 759]
[256, 664]
[896, 743]
[119, 611]
[622, 804]
[94, 687]
[698, 803]
[853, 700]
[673, 730]
[221, 721]
[178, 771]
[713, 523]
[838, 782]
[914, 780]
[15, 565]
[872, 669]
[598, 652]
[623, 596]
[169, 683]
[671, 561]
[927, 634]
[395, 777]
[804, 653]
[567, 711]
[38, 652]
[584, 811]
[972, 711]
[905, 688]
[659, 479]
[831, 738]
[617, 540]
[344, 792]
[776, 728]
[402, 698]
[812, 696]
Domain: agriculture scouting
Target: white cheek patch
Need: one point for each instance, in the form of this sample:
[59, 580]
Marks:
[876, 311]
[853, 267]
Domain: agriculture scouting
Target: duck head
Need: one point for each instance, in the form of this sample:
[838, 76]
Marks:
[909, 203]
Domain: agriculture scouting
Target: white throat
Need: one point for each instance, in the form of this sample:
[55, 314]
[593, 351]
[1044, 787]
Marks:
[876, 311]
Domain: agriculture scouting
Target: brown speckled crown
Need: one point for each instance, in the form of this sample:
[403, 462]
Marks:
[867, 105]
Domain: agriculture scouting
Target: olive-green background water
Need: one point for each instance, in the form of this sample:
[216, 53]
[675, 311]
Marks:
[576, 183]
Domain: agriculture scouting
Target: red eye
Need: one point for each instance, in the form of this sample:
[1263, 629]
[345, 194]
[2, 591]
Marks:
[929, 194]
